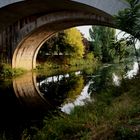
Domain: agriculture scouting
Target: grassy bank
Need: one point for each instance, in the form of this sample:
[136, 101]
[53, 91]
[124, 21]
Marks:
[6, 72]
[114, 115]
[88, 69]
[64, 62]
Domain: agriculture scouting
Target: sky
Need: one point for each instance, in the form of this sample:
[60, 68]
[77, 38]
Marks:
[84, 30]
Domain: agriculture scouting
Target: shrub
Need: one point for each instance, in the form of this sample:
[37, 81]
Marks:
[7, 72]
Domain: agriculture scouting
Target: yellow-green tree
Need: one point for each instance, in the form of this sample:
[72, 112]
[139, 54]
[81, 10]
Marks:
[69, 42]
[73, 39]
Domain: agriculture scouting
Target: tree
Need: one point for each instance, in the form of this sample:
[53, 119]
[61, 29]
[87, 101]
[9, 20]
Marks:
[101, 41]
[96, 42]
[86, 44]
[73, 39]
[129, 21]
[119, 49]
[69, 41]
[55, 44]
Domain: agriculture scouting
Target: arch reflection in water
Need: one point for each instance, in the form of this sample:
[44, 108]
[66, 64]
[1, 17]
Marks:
[39, 94]
[28, 94]
[28, 98]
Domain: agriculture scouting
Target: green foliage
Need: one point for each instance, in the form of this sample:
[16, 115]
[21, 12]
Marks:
[101, 42]
[120, 49]
[55, 45]
[7, 72]
[61, 129]
[67, 62]
[129, 20]
[68, 42]
[88, 60]
[70, 47]
[90, 57]
[74, 40]
[126, 133]
[114, 114]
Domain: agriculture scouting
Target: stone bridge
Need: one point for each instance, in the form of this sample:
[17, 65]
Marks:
[26, 24]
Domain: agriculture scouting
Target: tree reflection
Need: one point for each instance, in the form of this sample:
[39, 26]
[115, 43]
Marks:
[103, 79]
[61, 87]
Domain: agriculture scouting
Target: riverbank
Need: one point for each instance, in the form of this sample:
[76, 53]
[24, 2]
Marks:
[61, 64]
[6, 72]
[67, 61]
[52, 65]
[114, 114]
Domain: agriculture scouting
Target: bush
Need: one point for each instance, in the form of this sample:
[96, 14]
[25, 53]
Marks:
[7, 72]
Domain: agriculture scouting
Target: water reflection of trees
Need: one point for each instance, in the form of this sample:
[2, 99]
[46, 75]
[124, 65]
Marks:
[66, 87]
[103, 79]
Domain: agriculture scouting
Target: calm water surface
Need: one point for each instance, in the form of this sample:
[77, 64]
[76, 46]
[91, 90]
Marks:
[24, 101]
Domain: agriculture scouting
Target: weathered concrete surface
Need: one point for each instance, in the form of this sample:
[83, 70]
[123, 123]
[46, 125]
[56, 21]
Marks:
[26, 25]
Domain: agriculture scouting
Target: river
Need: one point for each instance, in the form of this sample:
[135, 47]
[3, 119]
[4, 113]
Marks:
[25, 100]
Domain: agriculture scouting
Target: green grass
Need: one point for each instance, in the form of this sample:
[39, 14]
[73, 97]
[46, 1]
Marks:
[7, 72]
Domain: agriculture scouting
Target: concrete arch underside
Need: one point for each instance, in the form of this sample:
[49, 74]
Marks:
[26, 24]
[14, 10]
[26, 52]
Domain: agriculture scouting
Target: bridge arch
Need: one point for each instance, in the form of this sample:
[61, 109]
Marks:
[27, 37]
[26, 51]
